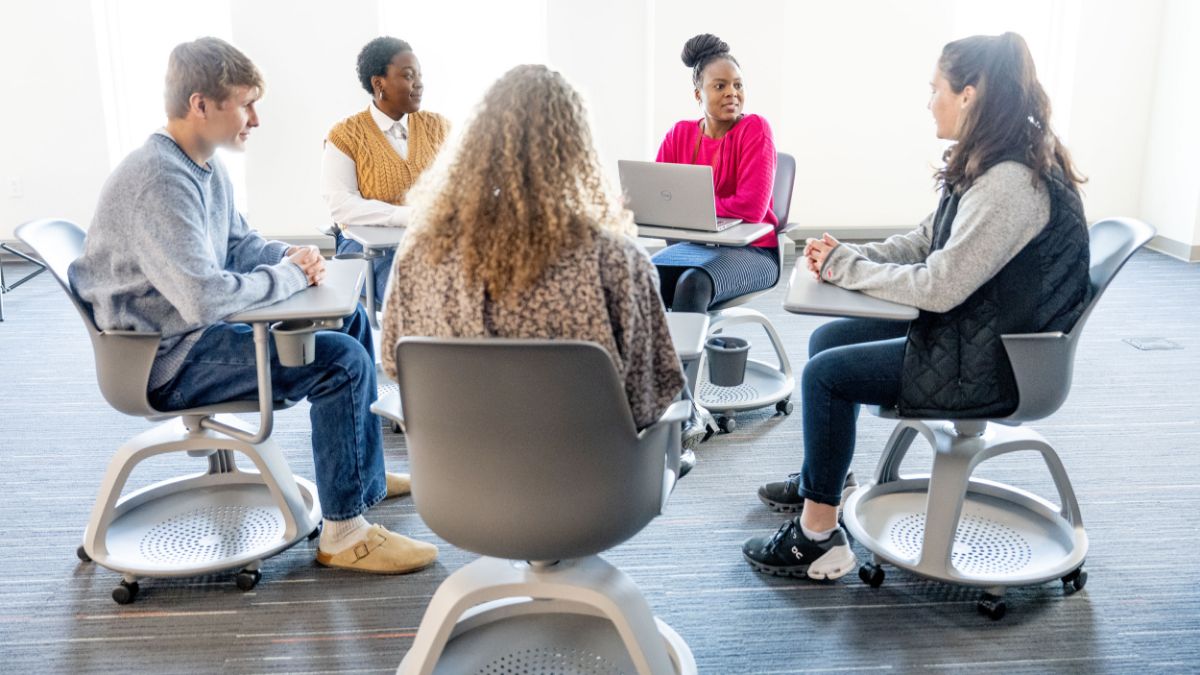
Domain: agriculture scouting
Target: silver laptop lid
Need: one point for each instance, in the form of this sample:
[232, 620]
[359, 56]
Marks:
[671, 195]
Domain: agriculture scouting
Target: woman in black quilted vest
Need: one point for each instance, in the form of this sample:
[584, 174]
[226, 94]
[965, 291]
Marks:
[1006, 251]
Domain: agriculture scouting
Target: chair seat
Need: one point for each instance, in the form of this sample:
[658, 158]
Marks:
[220, 408]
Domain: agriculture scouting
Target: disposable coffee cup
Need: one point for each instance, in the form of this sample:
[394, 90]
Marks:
[295, 341]
[726, 360]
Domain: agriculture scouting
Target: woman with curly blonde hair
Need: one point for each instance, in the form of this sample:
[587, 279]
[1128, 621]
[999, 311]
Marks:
[517, 235]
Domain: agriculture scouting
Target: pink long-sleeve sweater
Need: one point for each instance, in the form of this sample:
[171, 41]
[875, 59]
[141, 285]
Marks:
[743, 163]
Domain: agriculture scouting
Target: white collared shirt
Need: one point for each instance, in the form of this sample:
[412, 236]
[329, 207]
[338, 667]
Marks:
[339, 181]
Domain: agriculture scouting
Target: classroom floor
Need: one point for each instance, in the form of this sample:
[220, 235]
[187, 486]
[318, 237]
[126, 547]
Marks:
[1129, 436]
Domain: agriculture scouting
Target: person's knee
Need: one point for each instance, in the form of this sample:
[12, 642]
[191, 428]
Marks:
[342, 353]
[819, 373]
[693, 291]
[821, 339]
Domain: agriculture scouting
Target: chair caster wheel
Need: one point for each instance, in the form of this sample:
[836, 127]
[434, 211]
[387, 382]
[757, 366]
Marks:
[315, 533]
[785, 406]
[82, 554]
[726, 424]
[1075, 581]
[871, 574]
[247, 579]
[992, 606]
[396, 428]
[125, 593]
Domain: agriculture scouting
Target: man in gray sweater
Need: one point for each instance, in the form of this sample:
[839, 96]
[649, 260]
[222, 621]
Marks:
[168, 252]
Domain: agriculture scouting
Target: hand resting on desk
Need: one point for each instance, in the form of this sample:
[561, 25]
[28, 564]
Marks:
[817, 250]
[308, 259]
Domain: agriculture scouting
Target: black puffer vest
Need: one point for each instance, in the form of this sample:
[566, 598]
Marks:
[955, 366]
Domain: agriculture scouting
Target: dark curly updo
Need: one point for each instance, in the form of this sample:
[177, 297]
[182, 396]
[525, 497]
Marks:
[375, 56]
[702, 50]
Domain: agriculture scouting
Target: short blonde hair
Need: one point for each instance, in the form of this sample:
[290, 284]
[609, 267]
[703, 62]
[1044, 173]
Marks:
[209, 66]
[523, 186]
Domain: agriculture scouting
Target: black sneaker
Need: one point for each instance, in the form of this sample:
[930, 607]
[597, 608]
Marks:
[784, 496]
[788, 553]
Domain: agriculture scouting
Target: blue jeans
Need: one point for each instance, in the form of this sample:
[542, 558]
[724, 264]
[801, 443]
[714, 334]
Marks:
[850, 361]
[382, 265]
[339, 384]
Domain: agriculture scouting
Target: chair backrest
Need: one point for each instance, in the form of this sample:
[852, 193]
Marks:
[524, 449]
[123, 358]
[785, 182]
[1043, 363]
[781, 200]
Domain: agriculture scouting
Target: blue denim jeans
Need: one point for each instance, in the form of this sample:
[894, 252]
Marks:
[339, 384]
[850, 362]
[382, 265]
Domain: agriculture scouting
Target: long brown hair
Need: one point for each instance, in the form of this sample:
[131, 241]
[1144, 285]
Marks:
[1009, 115]
[523, 186]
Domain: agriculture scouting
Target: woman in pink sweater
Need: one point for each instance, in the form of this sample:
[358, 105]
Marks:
[741, 151]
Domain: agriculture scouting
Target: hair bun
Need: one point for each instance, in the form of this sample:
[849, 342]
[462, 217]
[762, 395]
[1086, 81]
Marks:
[702, 47]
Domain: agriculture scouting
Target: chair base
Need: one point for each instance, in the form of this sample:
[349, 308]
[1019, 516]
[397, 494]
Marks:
[546, 636]
[496, 612]
[953, 528]
[1005, 537]
[765, 384]
[223, 519]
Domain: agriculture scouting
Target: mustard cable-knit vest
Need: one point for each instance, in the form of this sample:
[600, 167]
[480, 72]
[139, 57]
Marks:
[382, 173]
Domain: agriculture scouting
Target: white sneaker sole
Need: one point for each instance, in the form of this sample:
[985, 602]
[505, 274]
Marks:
[835, 564]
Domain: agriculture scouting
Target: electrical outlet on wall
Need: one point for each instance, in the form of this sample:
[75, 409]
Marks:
[14, 188]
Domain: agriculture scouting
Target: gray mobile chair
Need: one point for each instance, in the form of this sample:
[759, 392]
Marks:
[525, 450]
[953, 528]
[221, 519]
[765, 384]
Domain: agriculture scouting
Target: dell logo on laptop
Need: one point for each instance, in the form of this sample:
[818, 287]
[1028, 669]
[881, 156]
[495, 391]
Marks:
[666, 195]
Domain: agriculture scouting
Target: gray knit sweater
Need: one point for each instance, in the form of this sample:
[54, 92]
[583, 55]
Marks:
[168, 252]
[997, 216]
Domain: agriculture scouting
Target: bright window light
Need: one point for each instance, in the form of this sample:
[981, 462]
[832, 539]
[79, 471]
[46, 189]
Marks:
[464, 45]
[134, 38]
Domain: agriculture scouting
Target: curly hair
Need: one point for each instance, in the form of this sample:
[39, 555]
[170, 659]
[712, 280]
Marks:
[1010, 113]
[375, 56]
[523, 185]
[702, 50]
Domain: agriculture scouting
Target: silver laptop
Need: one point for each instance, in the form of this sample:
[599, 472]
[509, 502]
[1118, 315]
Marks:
[671, 195]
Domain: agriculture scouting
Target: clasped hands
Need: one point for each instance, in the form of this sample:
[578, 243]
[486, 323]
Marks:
[308, 259]
[816, 251]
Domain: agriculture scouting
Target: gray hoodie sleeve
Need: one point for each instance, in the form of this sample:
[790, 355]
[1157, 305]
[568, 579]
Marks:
[171, 227]
[997, 216]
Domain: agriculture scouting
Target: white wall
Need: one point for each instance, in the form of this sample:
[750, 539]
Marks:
[843, 85]
[54, 146]
[309, 68]
[1171, 183]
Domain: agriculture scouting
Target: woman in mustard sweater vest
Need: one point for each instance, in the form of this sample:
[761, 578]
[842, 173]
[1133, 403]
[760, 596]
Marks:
[372, 158]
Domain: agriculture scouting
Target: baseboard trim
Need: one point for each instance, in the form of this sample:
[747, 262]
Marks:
[847, 233]
[1175, 249]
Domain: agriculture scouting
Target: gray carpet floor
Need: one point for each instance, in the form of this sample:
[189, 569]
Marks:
[1128, 435]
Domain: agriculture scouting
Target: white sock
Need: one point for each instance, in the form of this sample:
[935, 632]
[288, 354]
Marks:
[339, 535]
[817, 536]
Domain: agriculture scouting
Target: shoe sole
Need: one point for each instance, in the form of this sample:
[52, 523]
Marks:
[836, 567]
[780, 507]
[362, 570]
